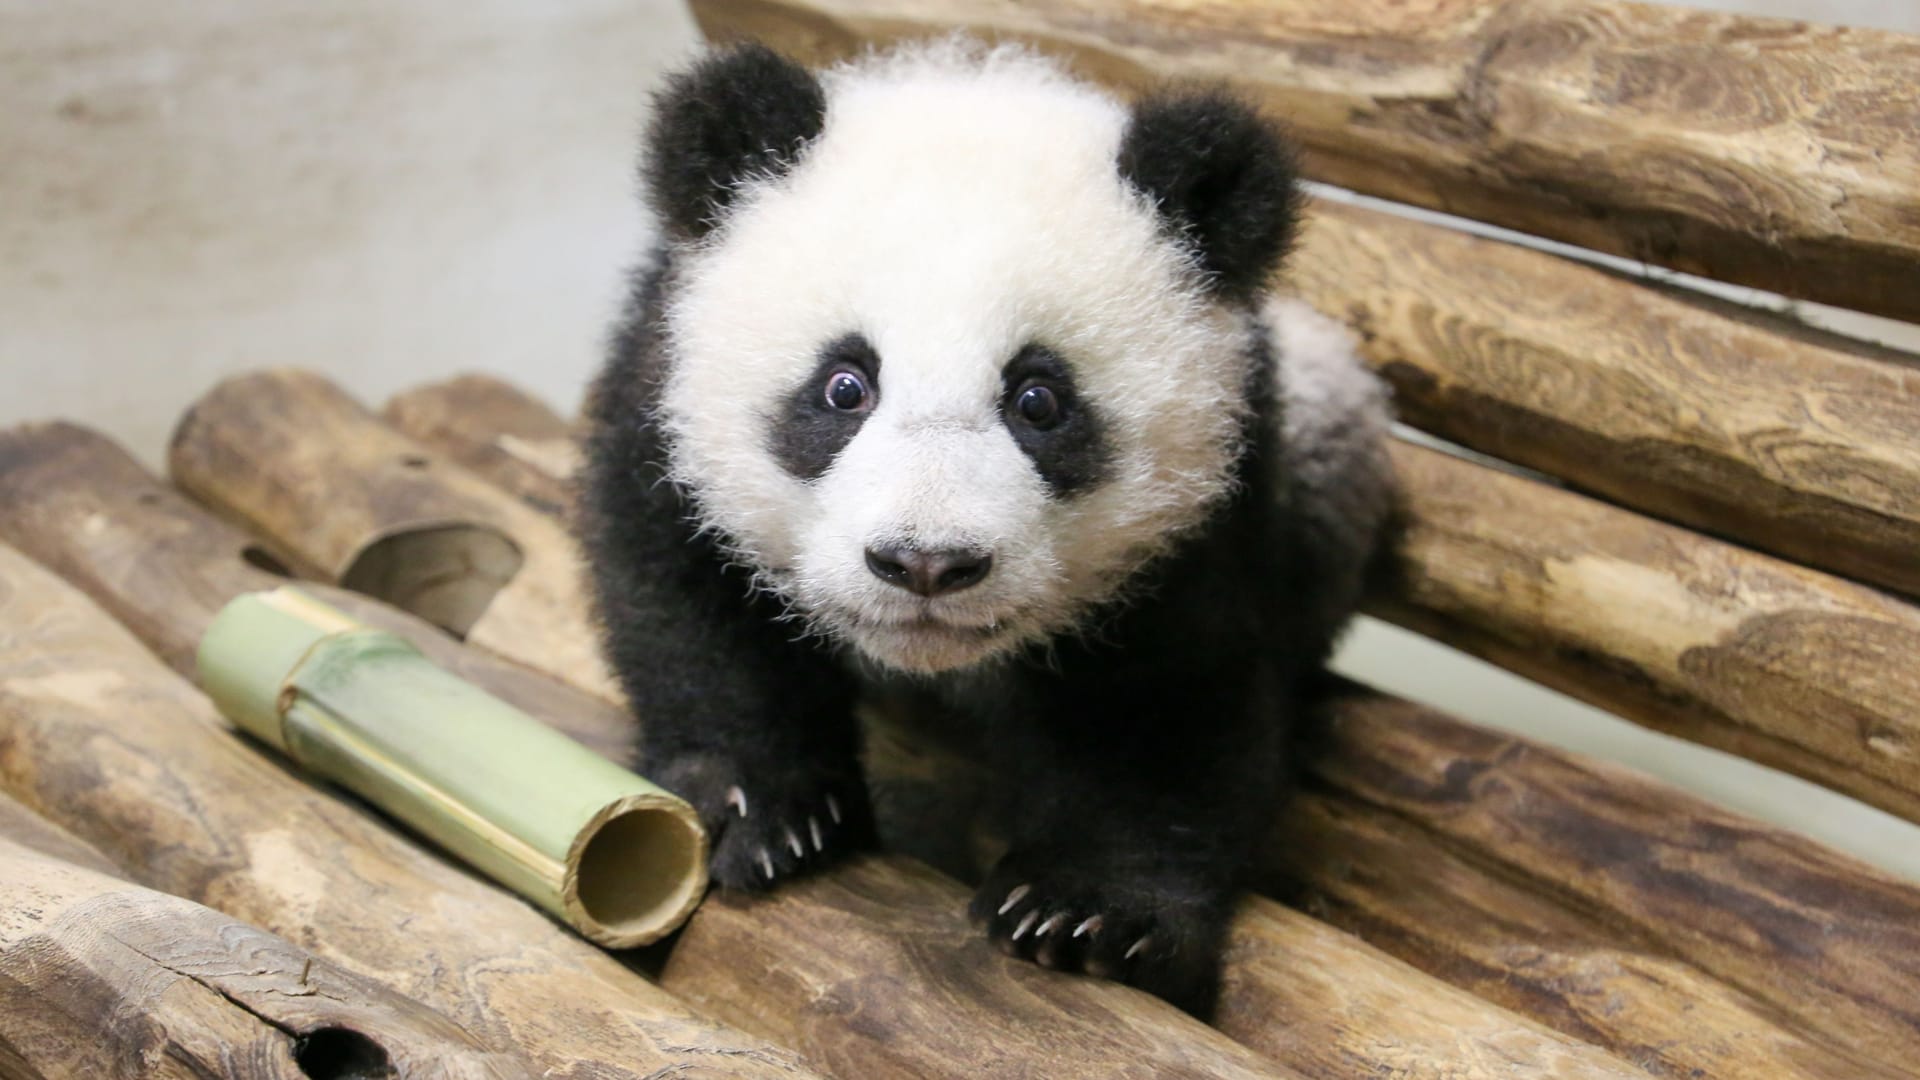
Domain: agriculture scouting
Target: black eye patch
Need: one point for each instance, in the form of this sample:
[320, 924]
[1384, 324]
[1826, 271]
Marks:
[1059, 431]
[814, 423]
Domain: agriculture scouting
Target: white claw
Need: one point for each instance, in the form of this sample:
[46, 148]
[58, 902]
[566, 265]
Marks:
[1137, 946]
[737, 799]
[766, 863]
[833, 807]
[1090, 926]
[1018, 894]
[793, 842]
[1046, 928]
[1021, 930]
[813, 827]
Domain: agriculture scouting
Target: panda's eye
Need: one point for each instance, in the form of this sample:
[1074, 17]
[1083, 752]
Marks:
[847, 391]
[1039, 405]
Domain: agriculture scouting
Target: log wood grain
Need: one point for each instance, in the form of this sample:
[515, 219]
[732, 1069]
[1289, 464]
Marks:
[1796, 444]
[36, 834]
[1770, 153]
[265, 450]
[92, 511]
[77, 503]
[520, 445]
[1827, 946]
[99, 736]
[1779, 664]
[100, 978]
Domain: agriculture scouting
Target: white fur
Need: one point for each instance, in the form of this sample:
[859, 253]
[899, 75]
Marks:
[959, 204]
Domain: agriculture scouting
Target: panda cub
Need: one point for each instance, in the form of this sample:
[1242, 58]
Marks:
[954, 368]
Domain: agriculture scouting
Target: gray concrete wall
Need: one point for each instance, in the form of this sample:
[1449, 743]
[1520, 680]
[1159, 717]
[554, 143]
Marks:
[394, 190]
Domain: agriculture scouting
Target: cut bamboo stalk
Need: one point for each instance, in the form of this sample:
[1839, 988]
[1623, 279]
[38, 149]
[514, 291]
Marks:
[612, 855]
[100, 978]
[161, 564]
[1785, 440]
[1825, 942]
[415, 530]
[1779, 664]
[1776, 154]
[103, 739]
[1510, 937]
[103, 519]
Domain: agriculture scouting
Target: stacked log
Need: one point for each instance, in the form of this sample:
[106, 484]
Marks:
[1723, 419]
[161, 564]
[1783, 665]
[1769, 153]
[264, 450]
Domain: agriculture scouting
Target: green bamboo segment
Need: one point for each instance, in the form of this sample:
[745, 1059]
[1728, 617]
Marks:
[617, 858]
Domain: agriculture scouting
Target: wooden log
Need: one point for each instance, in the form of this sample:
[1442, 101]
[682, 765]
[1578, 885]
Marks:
[1826, 943]
[100, 978]
[79, 504]
[1348, 1010]
[36, 834]
[525, 446]
[98, 735]
[1510, 937]
[98, 515]
[1786, 441]
[1770, 153]
[1687, 635]
[416, 530]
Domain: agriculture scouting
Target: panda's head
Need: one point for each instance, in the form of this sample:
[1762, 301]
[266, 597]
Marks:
[956, 343]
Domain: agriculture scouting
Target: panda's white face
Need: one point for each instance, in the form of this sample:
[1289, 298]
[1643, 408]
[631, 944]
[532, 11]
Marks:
[946, 384]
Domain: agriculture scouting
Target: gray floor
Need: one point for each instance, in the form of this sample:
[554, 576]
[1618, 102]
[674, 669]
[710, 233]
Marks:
[394, 190]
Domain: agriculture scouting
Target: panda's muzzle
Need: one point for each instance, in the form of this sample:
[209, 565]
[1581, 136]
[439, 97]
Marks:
[929, 573]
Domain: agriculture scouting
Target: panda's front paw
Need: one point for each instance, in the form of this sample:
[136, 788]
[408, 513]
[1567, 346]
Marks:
[1150, 929]
[768, 822]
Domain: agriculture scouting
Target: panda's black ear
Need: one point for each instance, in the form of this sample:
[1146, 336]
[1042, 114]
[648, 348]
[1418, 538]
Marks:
[739, 112]
[1222, 176]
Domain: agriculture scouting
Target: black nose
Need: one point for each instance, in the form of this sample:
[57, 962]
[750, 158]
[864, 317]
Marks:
[929, 573]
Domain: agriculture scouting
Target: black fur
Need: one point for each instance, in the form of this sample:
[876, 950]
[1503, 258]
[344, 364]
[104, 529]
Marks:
[1144, 759]
[810, 433]
[739, 112]
[731, 698]
[1222, 177]
[1073, 454]
[1137, 761]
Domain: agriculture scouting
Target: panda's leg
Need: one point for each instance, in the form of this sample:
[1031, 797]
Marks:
[740, 716]
[754, 729]
[1133, 801]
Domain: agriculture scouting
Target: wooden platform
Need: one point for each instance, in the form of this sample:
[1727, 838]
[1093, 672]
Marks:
[1726, 547]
